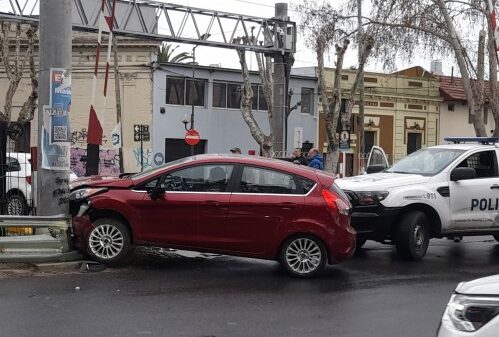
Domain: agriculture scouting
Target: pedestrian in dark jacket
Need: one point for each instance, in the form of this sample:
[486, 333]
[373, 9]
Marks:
[298, 157]
[315, 160]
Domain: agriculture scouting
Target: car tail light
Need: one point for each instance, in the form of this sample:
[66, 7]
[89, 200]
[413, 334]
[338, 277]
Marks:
[28, 180]
[334, 203]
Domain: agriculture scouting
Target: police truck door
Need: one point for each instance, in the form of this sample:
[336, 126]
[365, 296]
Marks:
[475, 202]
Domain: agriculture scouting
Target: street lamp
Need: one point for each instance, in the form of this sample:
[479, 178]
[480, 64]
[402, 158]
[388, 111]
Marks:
[191, 93]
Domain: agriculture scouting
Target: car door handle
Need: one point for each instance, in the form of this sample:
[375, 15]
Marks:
[494, 187]
[287, 205]
[211, 203]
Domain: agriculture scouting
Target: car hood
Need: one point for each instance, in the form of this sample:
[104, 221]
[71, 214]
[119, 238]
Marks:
[100, 181]
[380, 181]
[482, 286]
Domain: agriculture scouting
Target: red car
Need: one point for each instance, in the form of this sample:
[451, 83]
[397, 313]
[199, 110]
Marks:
[229, 204]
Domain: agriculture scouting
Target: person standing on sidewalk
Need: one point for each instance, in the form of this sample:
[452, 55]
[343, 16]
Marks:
[298, 157]
[315, 160]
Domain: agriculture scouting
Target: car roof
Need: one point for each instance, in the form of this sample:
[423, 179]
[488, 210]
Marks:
[464, 146]
[257, 161]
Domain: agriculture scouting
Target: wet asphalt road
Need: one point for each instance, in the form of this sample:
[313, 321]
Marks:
[374, 294]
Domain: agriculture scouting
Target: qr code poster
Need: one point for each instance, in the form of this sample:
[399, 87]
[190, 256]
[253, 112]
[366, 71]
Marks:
[60, 102]
[54, 156]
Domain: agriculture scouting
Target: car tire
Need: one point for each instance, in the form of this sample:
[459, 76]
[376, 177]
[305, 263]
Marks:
[109, 241]
[303, 256]
[360, 242]
[496, 236]
[412, 236]
[16, 204]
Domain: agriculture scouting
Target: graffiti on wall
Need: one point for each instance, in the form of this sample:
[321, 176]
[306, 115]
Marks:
[146, 158]
[109, 164]
[79, 137]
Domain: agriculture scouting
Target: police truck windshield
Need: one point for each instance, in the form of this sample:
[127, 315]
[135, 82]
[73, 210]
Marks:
[426, 162]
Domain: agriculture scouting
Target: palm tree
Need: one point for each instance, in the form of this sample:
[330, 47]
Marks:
[165, 55]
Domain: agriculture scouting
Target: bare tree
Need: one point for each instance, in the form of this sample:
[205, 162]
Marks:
[247, 96]
[442, 27]
[323, 26]
[14, 64]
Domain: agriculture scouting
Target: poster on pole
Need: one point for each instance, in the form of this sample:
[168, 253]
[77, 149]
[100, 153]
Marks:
[56, 136]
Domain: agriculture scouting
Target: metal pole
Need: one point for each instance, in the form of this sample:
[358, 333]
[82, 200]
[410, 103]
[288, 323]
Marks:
[55, 52]
[118, 98]
[277, 127]
[141, 135]
[362, 143]
[192, 91]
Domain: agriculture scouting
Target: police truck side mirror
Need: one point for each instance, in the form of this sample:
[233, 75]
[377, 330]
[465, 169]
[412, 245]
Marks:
[462, 173]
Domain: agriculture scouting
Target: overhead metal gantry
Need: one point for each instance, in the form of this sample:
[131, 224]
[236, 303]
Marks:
[159, 21]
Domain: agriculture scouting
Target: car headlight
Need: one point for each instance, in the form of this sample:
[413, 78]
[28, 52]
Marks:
[371, 197]
[85, 193]
[470, 313]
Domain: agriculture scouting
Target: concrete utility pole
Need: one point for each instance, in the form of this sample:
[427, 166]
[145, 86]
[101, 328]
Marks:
[362, 143]
[55, 52]
[118, 98]
[279, 77]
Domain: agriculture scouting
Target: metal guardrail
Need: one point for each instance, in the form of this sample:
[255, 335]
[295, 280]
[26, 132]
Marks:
[50, 241]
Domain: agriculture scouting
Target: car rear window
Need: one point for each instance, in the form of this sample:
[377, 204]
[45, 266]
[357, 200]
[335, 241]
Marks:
[336, 189]
[307, 185]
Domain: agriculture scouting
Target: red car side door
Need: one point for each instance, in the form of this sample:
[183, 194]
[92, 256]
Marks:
[263, 203]
[169, 218]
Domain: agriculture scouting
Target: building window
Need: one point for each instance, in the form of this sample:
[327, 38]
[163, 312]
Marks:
[219, 95]
[450, 107]
[415, 84]
[234, 95]
[485, 114]
[195, 93]
[180, 90]
[262, 102]
[370, 79]
[415, 107]
[307, 101]
[344, 77]
[414, 141]
[175, 90]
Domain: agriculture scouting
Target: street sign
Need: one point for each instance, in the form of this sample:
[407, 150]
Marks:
[141, 133]
[344, 140]
[192, 137]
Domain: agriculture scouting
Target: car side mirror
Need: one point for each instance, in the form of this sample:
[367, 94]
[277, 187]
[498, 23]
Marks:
[375, 168]
[462, 173]
[156, 192]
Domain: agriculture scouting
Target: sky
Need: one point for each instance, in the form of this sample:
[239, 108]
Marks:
[304, 56]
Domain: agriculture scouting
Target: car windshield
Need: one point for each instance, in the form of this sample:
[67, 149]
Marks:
[426, 162]
[154, 170]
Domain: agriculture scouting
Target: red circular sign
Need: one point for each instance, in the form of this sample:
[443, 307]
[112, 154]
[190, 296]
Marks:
[192, 137]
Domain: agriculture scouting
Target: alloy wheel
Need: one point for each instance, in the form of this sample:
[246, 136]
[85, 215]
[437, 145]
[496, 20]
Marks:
[303, 256]
[106, 241]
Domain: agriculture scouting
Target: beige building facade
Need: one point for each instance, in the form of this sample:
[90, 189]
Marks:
[401, 114]
[136, 59]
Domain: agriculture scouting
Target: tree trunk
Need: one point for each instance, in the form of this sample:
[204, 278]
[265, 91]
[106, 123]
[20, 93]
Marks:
[461, 61]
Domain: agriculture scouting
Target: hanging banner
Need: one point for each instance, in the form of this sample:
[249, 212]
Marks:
[56, 133]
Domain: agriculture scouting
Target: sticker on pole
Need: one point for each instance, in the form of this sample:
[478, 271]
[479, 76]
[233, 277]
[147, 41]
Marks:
[192, 137]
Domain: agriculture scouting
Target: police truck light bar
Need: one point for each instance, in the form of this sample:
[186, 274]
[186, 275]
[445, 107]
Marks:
[483, 140]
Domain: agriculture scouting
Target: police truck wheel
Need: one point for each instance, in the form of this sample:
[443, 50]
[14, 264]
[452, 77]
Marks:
[496, 236]
[360, 242]
[412, 236]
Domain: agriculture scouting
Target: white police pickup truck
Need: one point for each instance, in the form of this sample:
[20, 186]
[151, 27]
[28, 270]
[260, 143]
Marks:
[441, 191]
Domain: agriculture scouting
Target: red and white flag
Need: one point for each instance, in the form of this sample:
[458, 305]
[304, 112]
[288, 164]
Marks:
[493, 19]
